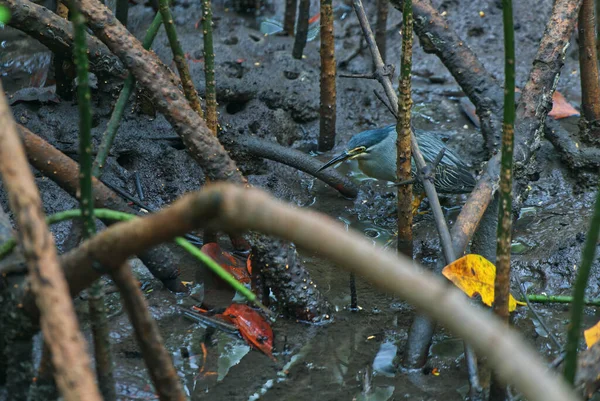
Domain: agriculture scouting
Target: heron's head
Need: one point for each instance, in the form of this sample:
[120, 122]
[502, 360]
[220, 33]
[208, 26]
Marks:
[363, 145]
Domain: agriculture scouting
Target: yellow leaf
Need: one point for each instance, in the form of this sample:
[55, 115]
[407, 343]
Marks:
[474, 274]
[592, 335]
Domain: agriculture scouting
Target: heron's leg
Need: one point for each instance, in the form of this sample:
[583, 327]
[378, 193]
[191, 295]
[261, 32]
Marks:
[417, 199]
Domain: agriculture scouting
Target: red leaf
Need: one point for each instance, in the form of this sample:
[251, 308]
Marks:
[253, 327]
[233, 264]
[561, 108]
[314, 18]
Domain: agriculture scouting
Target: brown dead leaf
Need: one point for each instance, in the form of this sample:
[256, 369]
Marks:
[561, 108]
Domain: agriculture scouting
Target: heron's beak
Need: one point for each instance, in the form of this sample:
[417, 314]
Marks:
[339, 158]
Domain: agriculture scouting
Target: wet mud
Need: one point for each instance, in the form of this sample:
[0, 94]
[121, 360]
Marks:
[262, 91]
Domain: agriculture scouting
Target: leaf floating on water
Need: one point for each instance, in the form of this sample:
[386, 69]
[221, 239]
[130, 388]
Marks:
[592, 335]
[237, 266]
[253, 327]
[561, 108]
[474, 274]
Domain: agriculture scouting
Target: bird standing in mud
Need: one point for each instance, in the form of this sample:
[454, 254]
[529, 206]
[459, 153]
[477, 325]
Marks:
[375, 151]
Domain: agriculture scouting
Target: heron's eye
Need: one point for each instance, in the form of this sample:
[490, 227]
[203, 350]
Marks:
[358, 150]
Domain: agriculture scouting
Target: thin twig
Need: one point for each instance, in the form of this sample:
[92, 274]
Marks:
[209, 67]
[385, 103]
[179, 58]
[157, 358]
[536, 314]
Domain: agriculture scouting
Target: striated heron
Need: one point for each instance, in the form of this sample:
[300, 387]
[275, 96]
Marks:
[375, 151]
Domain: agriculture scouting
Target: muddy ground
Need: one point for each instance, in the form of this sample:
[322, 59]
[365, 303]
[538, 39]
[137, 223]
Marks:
[263, 91]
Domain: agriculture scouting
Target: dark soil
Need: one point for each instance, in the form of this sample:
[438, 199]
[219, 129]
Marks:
[263, 91]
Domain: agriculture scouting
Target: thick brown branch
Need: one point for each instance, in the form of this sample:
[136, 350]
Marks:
[56, 33]
[73, 373]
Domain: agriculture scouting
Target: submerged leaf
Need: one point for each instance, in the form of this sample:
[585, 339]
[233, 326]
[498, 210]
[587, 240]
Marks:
[253, 327]
[231, 352]
[237, 266]
[474, 274]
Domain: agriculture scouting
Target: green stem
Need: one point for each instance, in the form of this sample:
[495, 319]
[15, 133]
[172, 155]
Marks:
[403, 144]
[84, 101]
[115, 119]
[9, 245]
[209, 67]
[504, 232]
[97, 310]
[559, 299]
[179, 57]
[583, 274]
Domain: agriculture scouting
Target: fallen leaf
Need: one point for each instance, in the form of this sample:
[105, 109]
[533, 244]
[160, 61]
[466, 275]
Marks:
[592, 335]
[253, 327]
[235, 265]
[474, 274]
[561, 108]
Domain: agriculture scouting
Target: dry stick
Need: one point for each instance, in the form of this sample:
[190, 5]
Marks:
[403, 153]
[430, 190]
[590, 77]
[381, 27]
[99, 323]
[57, 35]
[150, 73]
[158, 360]
[328, 107]
[235, 209]
[64, 171]
[209, 68]
[71, 362]
[289, 20]
[179, 58]
[302, 29]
